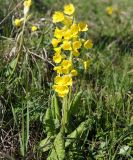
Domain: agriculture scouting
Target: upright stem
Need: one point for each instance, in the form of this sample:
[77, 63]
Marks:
[70, 97]
[64, 114]
[70, 88]
[66, 102]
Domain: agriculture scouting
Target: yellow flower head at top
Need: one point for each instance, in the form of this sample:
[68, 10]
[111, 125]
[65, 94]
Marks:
[69, 9]
[109, 10]
[58, 17]
[67, 43]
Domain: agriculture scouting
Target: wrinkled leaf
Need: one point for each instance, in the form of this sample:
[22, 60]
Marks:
[45, 144]
[57, 112]
[58, 149]
[77, 132]
[53, 107]
[74, 104]
[49, 122]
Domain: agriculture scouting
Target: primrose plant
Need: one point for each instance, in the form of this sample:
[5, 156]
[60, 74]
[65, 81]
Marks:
[67, 44]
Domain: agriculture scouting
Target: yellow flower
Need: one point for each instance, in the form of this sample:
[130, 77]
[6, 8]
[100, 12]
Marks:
[18, 22]
[83, 26]
[86, 64]
[34, 28]
[62, 94]
[58, 17]
[69, 9]
[74, 72]
[109, 10]
[67, 34]
[57, 50]
[57, 58]
[55, 42]
[66, 63]
[61, 90]
[61, 84]
[58, 33]
[74, 29]
[67, 80]
[88, 44]
[58, 69]
[68, 21]
[77, 45]
[27, 5]
[66, 45]
[75, 38]
[66, 66]
[76, 53]
[63, 80]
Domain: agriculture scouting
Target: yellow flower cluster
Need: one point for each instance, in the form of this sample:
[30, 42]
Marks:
[27, 4]
[67, 45]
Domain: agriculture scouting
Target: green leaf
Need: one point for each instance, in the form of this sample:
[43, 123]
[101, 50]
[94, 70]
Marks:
[14, 63]
[53, 107]
[45, 144]
[58, 149]
[77, 132]
[57, 112]
[49, 122]
[75, 103]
